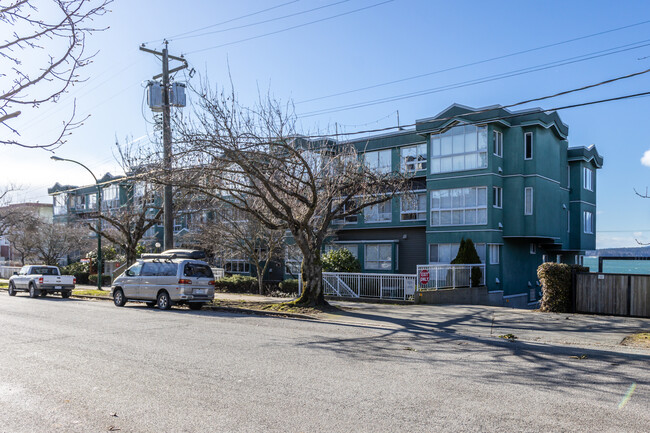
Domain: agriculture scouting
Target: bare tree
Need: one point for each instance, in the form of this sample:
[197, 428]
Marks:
[128, 224]
[43, 55]
[235, 234]
[55, 241]
[255, 161]
[23, 233]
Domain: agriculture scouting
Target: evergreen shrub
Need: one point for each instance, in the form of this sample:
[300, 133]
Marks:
[340, 260]
[467, 255]
[92, 280]
[237, 284]
[289, 286]
[556, 286]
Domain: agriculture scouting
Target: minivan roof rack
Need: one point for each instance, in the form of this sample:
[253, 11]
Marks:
[176, 254]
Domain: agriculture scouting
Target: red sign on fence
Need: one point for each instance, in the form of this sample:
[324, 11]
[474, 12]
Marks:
[424, 276]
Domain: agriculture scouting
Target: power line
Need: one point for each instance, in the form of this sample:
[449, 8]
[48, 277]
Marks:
[223, 22]
[261, 22]
[291, 28]
[479, 62]
[481, 80]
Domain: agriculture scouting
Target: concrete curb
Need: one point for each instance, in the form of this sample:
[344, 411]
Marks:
[218, 308]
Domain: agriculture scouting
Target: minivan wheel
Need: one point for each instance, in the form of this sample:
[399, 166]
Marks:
[33, 293]
[118, 298]
[164, 303]
[11, 289]
[195, 305]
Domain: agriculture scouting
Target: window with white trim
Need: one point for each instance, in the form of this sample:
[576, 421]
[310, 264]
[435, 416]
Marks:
[528, 145]
[413, 207]
[568, 221]
[497, 197]
[350, 219]
[445, 253]
[497, 137]
[378, 160]
[60, 204]
[568, 177]
[353, 248]
[459, 148]
[459, 206]
[378, 256]
[587, 179]
[495, 251]
[588, 222]
[378, 213]
[528, 200]
[414, 158]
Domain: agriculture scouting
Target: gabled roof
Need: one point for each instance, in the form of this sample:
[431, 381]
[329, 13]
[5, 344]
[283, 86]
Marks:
[457, 113]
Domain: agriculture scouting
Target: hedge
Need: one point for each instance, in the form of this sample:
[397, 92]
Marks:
[556, 286]
[237, 284]
[289, 286]
[106, 280]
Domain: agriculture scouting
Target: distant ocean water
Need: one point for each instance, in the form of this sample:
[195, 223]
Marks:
[619, 267]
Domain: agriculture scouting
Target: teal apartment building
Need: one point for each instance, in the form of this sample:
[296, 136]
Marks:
[507, 180]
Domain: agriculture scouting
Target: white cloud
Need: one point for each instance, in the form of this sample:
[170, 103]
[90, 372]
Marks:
[645, 159]
[637, 234]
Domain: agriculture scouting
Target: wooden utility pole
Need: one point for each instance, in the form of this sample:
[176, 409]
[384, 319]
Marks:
[168, 211]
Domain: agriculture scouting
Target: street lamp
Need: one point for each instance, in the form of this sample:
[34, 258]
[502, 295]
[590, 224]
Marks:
[99, 218]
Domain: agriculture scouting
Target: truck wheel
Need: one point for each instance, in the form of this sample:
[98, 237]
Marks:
[11, 289]
[163, 301]
[118, 298]
[195, 305]
[66, 293]
[33, 292]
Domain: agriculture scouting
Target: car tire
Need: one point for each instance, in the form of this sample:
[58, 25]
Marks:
[163, 301]
[150, 304]
[33, 292]
[194, 306]
[118, 298]
[11, 289]
[66, 293]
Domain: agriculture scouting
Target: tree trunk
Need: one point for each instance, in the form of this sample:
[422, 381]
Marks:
[312, 281]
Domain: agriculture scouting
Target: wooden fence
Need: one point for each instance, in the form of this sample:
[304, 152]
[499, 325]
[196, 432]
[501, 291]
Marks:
[615, 294]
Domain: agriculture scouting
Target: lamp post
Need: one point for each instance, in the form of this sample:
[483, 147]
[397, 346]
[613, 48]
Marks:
[99, 218]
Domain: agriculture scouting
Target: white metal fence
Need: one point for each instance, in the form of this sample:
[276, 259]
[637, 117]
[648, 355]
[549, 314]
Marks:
[448, 276]
[380, 286]
[8, 271]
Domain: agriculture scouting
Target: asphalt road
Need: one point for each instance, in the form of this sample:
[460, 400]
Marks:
[87, 366]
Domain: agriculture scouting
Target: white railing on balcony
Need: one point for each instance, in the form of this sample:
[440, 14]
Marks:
[379, 286]
[448, 276]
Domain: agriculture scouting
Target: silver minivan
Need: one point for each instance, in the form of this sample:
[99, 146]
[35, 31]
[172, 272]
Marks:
[165, 280]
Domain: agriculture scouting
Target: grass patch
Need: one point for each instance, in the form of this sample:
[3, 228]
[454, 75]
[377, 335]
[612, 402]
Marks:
[90, 292]
[279, 307]
[642, 339]
[509, 337]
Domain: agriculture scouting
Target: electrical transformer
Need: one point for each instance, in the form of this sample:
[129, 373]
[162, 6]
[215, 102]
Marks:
[155, 98]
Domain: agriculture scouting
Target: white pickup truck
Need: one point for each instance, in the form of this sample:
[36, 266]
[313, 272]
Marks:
[39, 280]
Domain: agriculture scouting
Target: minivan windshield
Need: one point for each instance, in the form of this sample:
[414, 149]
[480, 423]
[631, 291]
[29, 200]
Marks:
[197, 270]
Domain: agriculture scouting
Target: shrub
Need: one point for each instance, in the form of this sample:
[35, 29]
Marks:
[237, 284]
[289, 286]
[556, 286]
[79, 270]
[106, 280]
[467, 255]
[340, 260]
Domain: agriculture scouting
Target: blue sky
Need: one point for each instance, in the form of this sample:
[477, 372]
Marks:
[386, 41]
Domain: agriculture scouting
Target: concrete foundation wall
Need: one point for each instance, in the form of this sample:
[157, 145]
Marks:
[464, 295]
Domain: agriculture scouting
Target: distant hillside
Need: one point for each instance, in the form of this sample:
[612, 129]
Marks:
[622, 252]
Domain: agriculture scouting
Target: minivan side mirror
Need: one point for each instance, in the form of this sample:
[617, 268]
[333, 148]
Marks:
[15, 273]
[129, 273]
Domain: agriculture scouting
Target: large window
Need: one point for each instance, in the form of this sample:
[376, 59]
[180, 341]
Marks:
[353, 248]
[460, 148]
[378, 213]
[378, 257]
[528, 201]
[459, 206]
[379, 161]
[413, 207]
[111, 196]
[350, 219]
[60, 204]
[414, 158]
[495, 252]
[587, 179]
[498, 143]
[588, 222]
[445, 253]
